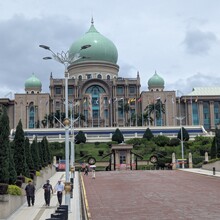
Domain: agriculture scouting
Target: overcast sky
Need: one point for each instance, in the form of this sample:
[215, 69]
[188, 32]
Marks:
[180, 39]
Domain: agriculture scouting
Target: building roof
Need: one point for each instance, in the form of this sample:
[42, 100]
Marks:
[102, 49]
[33, 82]
[156, 81]
[205, 91]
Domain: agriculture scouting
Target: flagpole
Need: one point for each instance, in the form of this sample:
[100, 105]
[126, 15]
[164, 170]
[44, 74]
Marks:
[136, 111]
[160, 114]
[110, 105]
[123, 111]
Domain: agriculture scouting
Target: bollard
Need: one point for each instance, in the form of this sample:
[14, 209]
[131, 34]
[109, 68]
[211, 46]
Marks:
[63, 212]
[213, 170]
[59, 216]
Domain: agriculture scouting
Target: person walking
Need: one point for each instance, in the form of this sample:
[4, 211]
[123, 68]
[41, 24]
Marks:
[86, 170]
[59, 188]
[48, 189]
[30, 193]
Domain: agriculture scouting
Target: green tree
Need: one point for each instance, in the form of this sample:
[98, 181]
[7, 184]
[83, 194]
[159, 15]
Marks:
[148, 134]
[217, 139]
[35, 154]
[147, 119]
[80, 137]
[184, 133]
[19, 152]
[213, 153]
[12, 170]
[4, 147]
[41, 159]
[161, 140]
[157, 108]
[46, 152]
[29, 159]
[118, 136]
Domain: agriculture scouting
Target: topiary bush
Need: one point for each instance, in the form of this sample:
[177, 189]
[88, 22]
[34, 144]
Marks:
[14, 190]
[118, 136]
[161, 140]
[148, 134]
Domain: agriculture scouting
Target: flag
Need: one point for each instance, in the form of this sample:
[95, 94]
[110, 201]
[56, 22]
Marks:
[133, 100]
[115, 99]
[139, 100]
[109, 101]
[196, 100]
[97, 102]
[85, 99]
[77, 103]
[158, 98]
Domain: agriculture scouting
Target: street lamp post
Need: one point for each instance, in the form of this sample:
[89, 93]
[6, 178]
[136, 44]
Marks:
[181, 139]
[66, 60]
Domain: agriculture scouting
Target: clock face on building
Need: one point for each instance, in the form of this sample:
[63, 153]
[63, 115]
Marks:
[91, 160]
[153, 159]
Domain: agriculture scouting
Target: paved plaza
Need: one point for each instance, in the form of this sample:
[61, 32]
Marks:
[158, 194]
[137, 195]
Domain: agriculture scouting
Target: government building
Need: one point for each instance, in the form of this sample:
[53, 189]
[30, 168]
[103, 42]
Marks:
[99, 97]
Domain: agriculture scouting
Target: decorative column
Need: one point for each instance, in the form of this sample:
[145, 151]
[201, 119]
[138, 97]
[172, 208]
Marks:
[206, 157]
[173, 161]
[190, 161]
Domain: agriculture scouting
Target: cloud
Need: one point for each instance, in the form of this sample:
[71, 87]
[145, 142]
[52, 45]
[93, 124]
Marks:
[198, 42]
[197, 80]
[21, 56]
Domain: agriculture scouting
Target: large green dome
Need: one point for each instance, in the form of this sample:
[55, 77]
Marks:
[33, 82]
[156, 81]
[102, 49]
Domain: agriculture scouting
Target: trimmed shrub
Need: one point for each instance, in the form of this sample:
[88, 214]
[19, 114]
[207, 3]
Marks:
[14, 190]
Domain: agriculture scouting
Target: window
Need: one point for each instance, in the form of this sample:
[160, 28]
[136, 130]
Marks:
[206, 115]
[120, 90]
[89, 76]
[70, 90]
[31, 116]
[58, 90]
[131, 89]
[80, 77]
[99, 76]
[108, 77]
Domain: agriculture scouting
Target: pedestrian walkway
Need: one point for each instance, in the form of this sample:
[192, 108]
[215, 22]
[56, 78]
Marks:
[202, 171]
[41, 212]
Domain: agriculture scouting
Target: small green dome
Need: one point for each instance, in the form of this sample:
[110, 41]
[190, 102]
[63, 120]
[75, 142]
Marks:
[33, 82]
[101, 49]
[156, 81]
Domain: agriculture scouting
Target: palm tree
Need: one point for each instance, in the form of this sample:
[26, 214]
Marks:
[157, 109]
[124, 106]
[147, 119]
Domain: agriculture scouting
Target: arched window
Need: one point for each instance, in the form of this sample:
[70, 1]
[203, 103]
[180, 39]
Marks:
[80, 77]
[99, 76]
[31, 116]
[108, 77]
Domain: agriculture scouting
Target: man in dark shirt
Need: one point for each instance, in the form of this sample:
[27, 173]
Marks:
[30, 193]
[48, 189]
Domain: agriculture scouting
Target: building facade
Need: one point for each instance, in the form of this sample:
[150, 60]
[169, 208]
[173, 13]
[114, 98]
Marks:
[100, 97]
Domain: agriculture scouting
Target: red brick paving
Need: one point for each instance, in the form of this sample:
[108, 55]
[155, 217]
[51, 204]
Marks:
[158, 195]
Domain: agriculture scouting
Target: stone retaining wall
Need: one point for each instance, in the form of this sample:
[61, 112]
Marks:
[210, 166]
[10, 203]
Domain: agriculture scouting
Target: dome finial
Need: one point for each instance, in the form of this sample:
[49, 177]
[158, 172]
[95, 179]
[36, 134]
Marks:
[92, 21]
